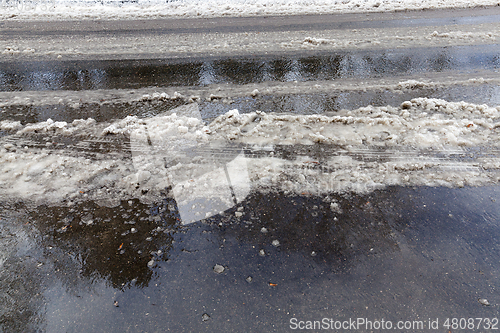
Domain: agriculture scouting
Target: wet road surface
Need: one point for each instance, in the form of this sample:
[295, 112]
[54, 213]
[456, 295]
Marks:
[68, 90]
[410, 254]
[414, 256]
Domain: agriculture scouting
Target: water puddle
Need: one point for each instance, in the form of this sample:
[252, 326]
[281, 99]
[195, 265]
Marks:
[274, 259]
[134, 74]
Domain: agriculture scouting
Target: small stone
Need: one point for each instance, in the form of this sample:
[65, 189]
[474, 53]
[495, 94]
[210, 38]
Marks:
[276, 243]
[115, 303]
[263, 230]
[483, 301]
[313, 253]
[218, 269]
[262, 253]
[151, 263]
[133, 230]
[205, 317]
[238, 214]
[255, 93]
[249, 279]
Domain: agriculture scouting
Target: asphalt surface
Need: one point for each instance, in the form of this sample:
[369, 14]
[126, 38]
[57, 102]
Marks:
[220, 37]
[404, 259]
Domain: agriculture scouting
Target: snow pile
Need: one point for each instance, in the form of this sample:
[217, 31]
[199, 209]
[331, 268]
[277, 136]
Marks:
[422, 123]
[463, 35]
[209, 168]
[76, 99]
[66, 9]
[50, 126]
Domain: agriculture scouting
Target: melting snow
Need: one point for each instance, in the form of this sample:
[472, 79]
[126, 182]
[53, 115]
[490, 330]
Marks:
[214, 166]
[140, 9]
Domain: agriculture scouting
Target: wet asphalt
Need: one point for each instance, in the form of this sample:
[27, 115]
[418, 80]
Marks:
[399, 254]
[262, 71]
[417, 257]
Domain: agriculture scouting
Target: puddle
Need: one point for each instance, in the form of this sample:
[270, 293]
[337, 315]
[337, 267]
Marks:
[123, 74]
[410, 254]
[325, 103]
[106, 90]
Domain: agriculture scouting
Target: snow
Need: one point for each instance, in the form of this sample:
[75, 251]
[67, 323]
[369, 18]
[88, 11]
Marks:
[141, 9]
[70, 45]
[211, 167]
[438, 122]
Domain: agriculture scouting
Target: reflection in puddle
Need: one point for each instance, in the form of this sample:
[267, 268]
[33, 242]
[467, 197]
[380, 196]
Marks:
[115, 244]
[333, 229]
[120, 74]
[79, 249]
[279, 216]
[397, 253]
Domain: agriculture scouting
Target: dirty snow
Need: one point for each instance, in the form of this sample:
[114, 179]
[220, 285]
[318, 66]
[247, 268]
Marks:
[85, 9]
[209, 168]
[59, 46]
[228, 92]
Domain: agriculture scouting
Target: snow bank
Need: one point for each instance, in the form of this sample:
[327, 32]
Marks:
[140, 9]
[210, 167]
[422, 123]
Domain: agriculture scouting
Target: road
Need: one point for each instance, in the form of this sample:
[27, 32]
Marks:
[365, 189]
[192, 38]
